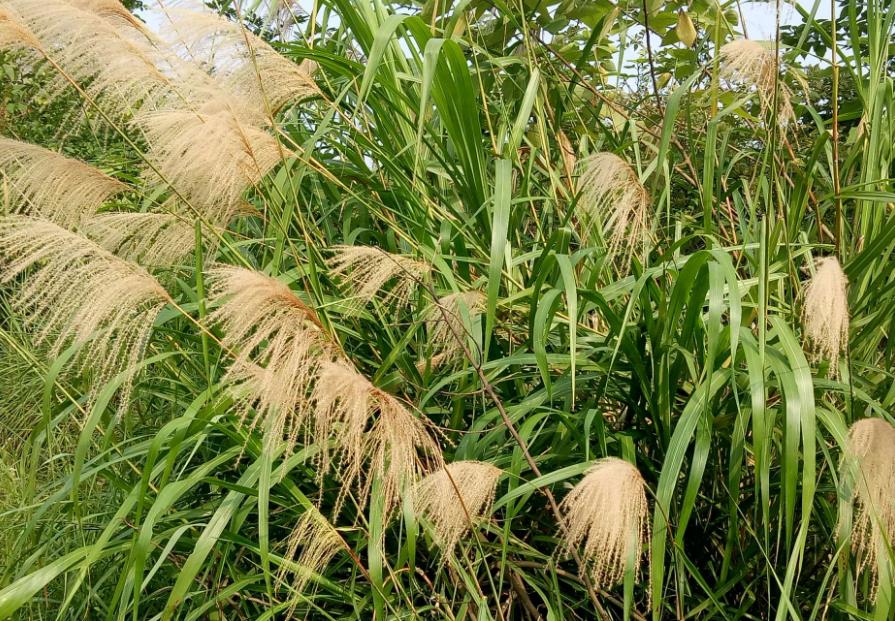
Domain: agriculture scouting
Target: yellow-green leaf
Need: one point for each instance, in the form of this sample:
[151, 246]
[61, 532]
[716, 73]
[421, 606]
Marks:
[686, 31]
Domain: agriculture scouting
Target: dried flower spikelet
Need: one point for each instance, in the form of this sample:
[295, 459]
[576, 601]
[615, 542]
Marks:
[755, 64]
[319, 542]
[400, 449]
[613, 199]
[210, 159]
[111, 66]
[367, 270]
[454, 498]
[343, 403]
[246, 64]
[397, 447]
[77, 292]
[868, 468]
[608, 513]
[444, 322]
[14, 34]
[825, 313]
[279, 345]
[150, 239]
[52, 186]
[111, 10]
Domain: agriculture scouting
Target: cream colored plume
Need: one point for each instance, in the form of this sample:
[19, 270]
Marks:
[396, 449]
[825, 312]
[367, 271]
[344, 402]
[46, 184]
[614, 201]
[243, 62]
[107, 63]
[401, 451]
[77, 292]
[112, 10]
[210, 159]
[868, 474]
[13, 32]
[151, 239]
[318, 541]
[279, 345]
[756, 65]
[444, 322]
[112, 56]
[454, 498]
[607, 513]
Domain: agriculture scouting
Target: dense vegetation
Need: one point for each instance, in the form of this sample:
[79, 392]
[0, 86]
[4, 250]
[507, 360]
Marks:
[352, 309]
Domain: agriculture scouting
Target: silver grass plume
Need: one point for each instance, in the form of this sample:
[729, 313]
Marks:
[343, 402]
[825, 312]
[110, 65]
[14, 34]
[607, 513]
[755, 64]
[444, 323]
[367, 271]
[397, 447]
[613, 200]
[319, 542]
[867, 473]
[400, 449]
[77, 292]
[111, 10]
[279, 346]
[246, 64]
[150, 239]
[111, 55]
[211, 159]
[49, 185]
[454, 497]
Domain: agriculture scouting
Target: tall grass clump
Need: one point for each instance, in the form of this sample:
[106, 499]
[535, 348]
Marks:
[445, 310]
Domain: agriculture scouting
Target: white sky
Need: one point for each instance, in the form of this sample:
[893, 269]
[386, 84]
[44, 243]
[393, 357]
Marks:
[760, 20]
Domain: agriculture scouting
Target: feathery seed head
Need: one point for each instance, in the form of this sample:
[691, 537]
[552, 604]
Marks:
[613, 198]
[756, 64]
[112, 10]
[52, 186]
[398, 447]
[367, 270]
[108, 63]
[77, 292]
[868, 469]
[455, 496]
[401, 450]
[825, 313]
[343, 404]
[608, 513]
[151, 239]
[279, 345]
[244, 63]
[444, 321]
[319, 542]
[13, 33]
[210, 158]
